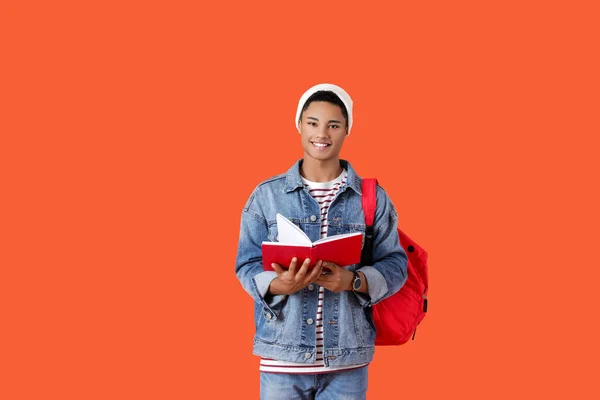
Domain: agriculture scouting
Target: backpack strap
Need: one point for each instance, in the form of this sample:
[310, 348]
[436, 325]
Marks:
[369, 204]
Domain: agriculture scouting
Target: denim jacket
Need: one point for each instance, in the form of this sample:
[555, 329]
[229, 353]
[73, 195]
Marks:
[282, 330]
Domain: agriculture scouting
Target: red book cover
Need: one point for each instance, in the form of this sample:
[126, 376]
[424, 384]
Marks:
[339, 249]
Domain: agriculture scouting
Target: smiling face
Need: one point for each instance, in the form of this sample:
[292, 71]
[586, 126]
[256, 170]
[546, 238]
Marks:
[323, 129]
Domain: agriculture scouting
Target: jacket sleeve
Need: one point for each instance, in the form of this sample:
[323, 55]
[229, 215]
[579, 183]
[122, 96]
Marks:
[390, 264]
[249, 267]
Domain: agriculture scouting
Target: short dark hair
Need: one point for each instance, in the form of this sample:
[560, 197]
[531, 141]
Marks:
[328, 96]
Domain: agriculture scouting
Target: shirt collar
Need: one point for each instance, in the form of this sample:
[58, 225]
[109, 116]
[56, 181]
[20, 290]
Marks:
[293, 179]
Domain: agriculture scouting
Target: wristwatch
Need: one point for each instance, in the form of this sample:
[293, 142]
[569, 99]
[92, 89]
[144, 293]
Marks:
[357, 282]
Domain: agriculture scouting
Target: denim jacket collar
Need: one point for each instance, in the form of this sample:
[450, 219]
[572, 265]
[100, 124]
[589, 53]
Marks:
[293, 180]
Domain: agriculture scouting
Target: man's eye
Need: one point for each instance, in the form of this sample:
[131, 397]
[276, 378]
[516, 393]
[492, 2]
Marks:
[312, 123]
[334, 126]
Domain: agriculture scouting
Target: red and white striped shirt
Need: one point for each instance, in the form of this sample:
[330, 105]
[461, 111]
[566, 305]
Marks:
[324, 193]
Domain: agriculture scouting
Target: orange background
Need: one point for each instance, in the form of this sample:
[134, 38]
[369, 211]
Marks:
[132, 134]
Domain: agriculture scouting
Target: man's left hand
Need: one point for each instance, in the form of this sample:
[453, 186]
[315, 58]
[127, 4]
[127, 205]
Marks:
[337, 280]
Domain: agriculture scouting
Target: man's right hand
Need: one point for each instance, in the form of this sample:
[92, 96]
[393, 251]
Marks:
[293, 279]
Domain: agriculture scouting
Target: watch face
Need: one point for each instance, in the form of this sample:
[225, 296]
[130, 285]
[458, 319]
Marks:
[357, 282]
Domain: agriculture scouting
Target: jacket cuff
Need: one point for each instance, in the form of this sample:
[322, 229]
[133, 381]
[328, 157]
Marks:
[378, 288]
[262, 280]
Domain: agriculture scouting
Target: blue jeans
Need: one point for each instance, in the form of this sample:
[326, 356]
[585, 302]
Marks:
[342, 385]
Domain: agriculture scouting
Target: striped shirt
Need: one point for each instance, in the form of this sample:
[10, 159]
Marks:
[324, 193]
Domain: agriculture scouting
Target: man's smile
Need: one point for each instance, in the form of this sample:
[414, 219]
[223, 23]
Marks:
[321, 145]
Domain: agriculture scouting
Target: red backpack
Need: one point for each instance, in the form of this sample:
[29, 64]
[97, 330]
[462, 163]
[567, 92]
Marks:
[396, 318]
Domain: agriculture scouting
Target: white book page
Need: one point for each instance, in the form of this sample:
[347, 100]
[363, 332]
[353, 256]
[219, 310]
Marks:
[287, 244]
[289, 233]
[337, 237]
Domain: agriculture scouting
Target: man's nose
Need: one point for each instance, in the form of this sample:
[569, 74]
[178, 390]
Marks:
[323, 130]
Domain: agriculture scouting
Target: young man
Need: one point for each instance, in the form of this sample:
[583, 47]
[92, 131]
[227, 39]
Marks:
[314, 329]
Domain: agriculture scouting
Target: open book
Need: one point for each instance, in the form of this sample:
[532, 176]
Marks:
[341, 249]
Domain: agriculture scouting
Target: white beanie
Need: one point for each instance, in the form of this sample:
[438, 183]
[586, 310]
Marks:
[341, 93]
